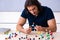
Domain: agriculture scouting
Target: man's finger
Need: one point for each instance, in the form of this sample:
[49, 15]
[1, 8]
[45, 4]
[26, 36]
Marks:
[36, 28]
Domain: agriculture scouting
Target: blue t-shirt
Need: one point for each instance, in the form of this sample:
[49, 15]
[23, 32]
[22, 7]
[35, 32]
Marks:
[41, 19]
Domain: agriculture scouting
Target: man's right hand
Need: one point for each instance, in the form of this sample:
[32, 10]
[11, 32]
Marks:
[28, 30]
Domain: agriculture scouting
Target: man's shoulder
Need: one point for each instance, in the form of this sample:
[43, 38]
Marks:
[24, 10]
[45, 8]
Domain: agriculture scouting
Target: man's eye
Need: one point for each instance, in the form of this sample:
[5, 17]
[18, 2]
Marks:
[29, 10]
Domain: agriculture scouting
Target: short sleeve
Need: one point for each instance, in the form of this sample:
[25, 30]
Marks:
[24, 13]
[49, 14]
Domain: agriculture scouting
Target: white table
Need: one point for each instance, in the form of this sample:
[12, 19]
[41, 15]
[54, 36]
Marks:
[31, 35]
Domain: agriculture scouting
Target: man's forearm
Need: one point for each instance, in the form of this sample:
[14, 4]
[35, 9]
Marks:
[49, 29]
[20, 28]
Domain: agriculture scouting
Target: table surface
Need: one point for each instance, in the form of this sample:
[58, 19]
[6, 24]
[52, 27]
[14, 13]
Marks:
[31, 35]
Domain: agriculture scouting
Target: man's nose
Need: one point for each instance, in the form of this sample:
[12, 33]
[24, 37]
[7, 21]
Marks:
[33, 12]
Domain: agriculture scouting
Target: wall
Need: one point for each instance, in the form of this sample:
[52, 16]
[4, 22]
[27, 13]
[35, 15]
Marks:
[18, 5]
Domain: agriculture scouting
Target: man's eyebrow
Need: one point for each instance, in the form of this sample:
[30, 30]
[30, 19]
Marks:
[33, 8]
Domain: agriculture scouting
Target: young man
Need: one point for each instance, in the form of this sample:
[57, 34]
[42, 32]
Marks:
[39, 17]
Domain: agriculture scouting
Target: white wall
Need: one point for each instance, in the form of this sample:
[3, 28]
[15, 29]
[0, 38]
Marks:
[18, 5]
[10, 19]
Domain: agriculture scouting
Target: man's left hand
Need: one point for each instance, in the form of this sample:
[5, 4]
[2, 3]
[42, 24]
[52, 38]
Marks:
[39, 28]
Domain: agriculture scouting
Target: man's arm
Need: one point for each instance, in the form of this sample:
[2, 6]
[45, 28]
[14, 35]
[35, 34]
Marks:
[52, 25]
[20, 24]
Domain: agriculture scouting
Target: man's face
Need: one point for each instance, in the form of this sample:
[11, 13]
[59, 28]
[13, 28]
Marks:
[33, 10]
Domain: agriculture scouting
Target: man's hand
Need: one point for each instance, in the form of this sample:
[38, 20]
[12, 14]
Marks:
[28, 30]
[39, 28]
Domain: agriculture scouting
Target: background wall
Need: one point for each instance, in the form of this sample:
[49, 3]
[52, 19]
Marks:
[10, 11]
[18, 5]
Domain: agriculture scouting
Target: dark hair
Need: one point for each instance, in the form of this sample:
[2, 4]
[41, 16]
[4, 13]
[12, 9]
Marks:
[33, 2]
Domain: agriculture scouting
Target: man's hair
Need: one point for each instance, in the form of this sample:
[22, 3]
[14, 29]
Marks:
[33, 2]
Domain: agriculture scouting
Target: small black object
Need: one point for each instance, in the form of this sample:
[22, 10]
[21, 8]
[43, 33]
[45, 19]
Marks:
[30, 38]
[42, 36]
[39, 38]
[19, 38]
[33, 38]
[9, 37]
[22, 37]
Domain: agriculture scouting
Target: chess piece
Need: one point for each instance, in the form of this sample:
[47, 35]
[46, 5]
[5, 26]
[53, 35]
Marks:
[6, 38]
